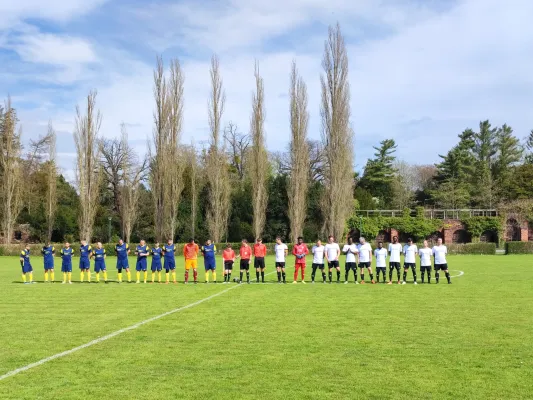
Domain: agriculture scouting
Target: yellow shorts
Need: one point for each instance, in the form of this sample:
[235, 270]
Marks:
[191, 264]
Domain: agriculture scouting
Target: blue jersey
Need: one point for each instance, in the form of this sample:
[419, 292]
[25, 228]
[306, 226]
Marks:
[169, 251]
[48, 253]
[85, 251]
[66, 255]
[156, 253]
[209, 252]
[142, 249]
[99, 254]
[122, 251]
[25, 254]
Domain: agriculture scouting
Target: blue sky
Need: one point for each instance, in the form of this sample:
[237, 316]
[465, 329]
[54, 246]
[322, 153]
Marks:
[420, 71]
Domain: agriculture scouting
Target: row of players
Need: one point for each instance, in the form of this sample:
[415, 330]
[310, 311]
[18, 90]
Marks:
[360, 254]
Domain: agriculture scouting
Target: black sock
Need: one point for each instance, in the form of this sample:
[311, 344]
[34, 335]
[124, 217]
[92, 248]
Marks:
[362, 277]
[262, 276]
[398, 274]
[257, 276]
[422, 273]
[247, 276]
[371, 277]
[240, 277]
[390, 274]
[404, 275]
[437, 276]
[338, 276]
[330, 275]
[448, 276]
[324, 277]
[225, 277]
[313, 274]
[229, 277]
[429, 277]
[355, 275]
[283, 275]
[279, 276]
[414, 273]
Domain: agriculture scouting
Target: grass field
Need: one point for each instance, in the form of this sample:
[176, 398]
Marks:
[469, 340]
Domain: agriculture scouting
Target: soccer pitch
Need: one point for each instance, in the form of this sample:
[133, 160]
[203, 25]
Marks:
[468, 340]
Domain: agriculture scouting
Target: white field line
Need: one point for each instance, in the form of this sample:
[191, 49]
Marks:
[461, 273]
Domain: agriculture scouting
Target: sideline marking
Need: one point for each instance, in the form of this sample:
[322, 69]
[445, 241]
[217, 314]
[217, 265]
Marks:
[461, 273]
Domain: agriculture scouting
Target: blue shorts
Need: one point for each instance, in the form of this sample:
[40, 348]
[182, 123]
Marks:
[141, 264]
[156, 265]
[26, 267]
[99, 266]
[49, 265]
[170, 264]
[210, 265]
[122, 264]
[66, 267]
[85, 263]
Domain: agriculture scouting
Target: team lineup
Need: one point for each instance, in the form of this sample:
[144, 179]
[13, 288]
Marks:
[357, 256]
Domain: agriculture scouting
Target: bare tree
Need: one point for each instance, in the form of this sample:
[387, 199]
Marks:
[88, 168]
[133, 174]
[10, 170]
[258, 156]
[337, 135]
[216, 167]
[114, 155]
[194, 175]
[404, 185]
[298, 179]
[238, 145]
[159, 166]
[51, 187]
[174, 170]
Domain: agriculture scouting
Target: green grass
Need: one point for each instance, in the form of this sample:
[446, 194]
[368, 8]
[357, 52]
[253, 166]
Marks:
[468, 340]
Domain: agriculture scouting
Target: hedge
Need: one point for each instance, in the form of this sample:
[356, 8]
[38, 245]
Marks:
[467, 248]
[519, 247]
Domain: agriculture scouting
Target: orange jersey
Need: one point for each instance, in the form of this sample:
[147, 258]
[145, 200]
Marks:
[190, 251]
[228, 255]
[245, 252]
[260, 250]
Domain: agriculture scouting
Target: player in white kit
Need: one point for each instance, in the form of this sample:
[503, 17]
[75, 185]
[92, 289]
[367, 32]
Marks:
[365, 259]
[425, 254]
[280, 250]
[381, 261]
[333, 251]
[318, 251]
[395, 250]
[439, 253]
[410, 250]
[350, 249]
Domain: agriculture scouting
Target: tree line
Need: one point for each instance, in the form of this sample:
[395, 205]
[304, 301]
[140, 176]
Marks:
[233, 187]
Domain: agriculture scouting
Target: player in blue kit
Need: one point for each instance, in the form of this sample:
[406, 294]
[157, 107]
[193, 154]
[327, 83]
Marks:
[123, 250]
[99, 256]
[25, 263]
[142, 251]
[156, 252]
[66, 263]
[85, 263]
[169, 252]
[209, 251]
[48, 252]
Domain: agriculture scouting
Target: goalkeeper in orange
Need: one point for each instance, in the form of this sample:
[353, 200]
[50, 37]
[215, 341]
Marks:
[190, 251]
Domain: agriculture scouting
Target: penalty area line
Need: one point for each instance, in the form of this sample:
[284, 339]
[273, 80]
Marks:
[112, 335]
[461, 273]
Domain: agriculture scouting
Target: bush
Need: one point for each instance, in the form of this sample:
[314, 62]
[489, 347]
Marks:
[519, 247]
[472, 248]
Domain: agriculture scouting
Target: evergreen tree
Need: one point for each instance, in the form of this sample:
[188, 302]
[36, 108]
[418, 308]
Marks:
[509, 153]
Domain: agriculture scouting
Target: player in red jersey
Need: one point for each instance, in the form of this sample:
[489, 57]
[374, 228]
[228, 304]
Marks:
[245, 253]
[300, 250]
[259, 259]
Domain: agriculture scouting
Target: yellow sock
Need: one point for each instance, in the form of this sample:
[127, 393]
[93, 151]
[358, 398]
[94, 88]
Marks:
[81, 276]
[168, 276]
[88, 276]
[52, 275]
[64, 276]
[119, 276]
[153, 276]
[173, 276]
[46, 276]
[24, 278]
[138, 276]
[159, 276]
[98, 277]
[145, 276]
[128, 273]
[214, 276]
[30, 275]
[207, 276]
[69, 276]
[105, 275]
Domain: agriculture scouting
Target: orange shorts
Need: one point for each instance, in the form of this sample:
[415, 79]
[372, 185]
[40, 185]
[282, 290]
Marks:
[191, 264]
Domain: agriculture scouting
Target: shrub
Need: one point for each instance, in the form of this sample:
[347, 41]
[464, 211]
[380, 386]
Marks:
[472, 248]
[519, 247]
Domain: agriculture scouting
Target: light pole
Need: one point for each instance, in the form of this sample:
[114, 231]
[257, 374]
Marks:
[109, 230]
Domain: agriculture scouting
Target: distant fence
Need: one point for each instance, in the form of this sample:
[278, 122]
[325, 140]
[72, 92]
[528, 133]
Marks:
[432, 213]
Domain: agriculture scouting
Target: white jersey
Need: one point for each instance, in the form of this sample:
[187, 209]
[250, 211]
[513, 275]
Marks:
[410, 253]
[395, 250]
[279, 250]
[365, 252]
[350, 250]
[318, 254]
[425, 256]
[440, 254]
[332, 250]
[381, 257]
